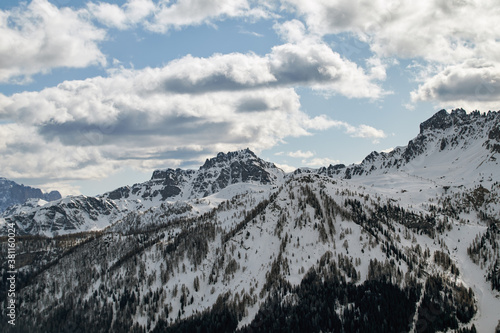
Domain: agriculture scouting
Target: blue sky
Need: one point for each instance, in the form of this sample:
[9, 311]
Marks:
[96, 95]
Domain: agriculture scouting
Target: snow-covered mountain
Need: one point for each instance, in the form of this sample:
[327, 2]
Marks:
[406, 241]
[221, 176]
[11, 193]
[452, 147]
[216, 174]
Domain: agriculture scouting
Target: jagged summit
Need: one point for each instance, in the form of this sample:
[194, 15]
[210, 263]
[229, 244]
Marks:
[445, 140]
[215, 174]
[241, 166]
[222, 158]
[443, 119]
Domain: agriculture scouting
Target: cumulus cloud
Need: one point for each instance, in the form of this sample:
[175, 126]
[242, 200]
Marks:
[308, 159]
[319, 162]
[475, 84]
[286, 167]
[124, 17]
[317, 66]
[163, 15]
[306, 64]
[155, 117]
[444, 35]
[146, 118]
[26, 153]
[39, 36]
[301, 154]
[292, 31]
[88, 129]
[433, 30]
[473, 79]
[193, 12]
[361, 131]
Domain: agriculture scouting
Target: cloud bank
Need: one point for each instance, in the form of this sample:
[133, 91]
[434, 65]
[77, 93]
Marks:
[195, 106]
[38, 37]
[452, 41]
[86, 129]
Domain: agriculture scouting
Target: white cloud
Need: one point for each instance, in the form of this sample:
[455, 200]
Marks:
[473, 84]
[301, 154]
[88, 129]
[319, 162]
[307, 64]
[286, 167]
[442, 38]
[433, 30]
[124, 17]
[194, 12]
[39, 36]
[164, 15]
[190, 108]
[365, 131]
[315, 65]
[292, 31]
[156, 117]
[377, 68]
[361, 131]
[28, 154]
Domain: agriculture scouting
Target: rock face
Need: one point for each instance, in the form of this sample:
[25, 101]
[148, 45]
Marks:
[214, 175]
[234, 167]
[66, 215]
[81, 213]
[12, 193]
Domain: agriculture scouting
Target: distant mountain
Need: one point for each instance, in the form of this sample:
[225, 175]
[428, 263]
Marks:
[12, 193]
[405, 241]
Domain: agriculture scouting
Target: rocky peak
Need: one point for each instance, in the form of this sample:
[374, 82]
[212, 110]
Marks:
[230, 168]
[170, 176]
[214, 175]
[12, 193]
[456, 130]
[222, 159]
[443, 120]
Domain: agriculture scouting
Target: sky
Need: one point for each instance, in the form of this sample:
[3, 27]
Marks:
[95, 95]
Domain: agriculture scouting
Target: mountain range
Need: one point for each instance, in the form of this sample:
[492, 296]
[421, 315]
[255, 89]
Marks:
[11, 193]
[404, 241]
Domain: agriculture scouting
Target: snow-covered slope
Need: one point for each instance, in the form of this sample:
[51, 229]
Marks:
[222, 176]
[452, 149]
[216, 174]
[405, 241]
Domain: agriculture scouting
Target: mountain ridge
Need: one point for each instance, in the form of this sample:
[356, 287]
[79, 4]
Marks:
[448, 131]
[12, 193]
[443, 140]
[395, 248]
